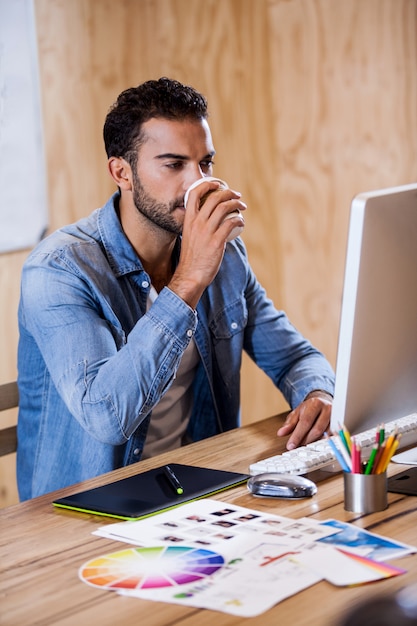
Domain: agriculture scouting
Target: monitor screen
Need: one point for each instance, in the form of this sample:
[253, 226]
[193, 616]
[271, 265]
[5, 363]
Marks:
[376, 366]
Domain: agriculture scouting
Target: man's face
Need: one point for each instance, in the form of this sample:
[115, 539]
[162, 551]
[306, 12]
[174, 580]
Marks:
[173, 155]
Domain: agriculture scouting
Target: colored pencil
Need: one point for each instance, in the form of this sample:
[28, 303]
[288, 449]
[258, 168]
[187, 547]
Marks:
[379, 454]
[339, 456]
[391, 452]
[345, 438]
[371, 460]
[382, 461]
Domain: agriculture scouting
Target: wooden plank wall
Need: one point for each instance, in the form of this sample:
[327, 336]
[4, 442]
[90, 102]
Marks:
[311, 101]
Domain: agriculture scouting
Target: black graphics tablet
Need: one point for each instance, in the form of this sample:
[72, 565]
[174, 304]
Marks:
[151, 492]
[405, 482]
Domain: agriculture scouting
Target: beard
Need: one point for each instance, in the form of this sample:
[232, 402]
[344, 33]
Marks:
[158, 213]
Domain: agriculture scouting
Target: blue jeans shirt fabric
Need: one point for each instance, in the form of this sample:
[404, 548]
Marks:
[92, 362]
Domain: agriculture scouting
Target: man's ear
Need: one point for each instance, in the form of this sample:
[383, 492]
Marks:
[121, 172]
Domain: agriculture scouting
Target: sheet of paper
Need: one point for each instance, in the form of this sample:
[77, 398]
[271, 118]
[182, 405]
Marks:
[361, 542]
[208, 522]
[214, 555]
[342, 568]
[244, 577]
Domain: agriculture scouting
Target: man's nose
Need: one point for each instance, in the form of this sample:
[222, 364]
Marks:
[193, 176]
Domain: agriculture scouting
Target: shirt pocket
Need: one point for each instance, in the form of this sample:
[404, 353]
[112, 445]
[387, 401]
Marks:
[230, 321]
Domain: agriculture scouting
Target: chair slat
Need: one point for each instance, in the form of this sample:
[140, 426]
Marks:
[9, 396]
[9, 399]
[8, 440]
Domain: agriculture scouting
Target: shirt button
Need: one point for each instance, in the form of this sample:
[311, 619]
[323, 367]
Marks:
[136, 451]
[189, 333]
[233, 325]
[145, 284]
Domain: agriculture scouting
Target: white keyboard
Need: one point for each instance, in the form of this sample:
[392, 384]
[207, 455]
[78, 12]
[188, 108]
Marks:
[319, 455]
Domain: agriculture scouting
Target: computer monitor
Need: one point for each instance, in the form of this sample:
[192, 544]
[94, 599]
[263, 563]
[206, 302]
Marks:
[376, 365]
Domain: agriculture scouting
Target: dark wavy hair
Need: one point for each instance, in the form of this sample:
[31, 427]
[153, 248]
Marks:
[164, 98]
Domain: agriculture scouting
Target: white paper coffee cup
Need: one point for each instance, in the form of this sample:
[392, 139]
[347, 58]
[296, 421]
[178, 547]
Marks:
[223, 185]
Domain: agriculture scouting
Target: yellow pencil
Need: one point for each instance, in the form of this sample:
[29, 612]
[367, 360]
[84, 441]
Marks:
[392, 452]
[347, 435]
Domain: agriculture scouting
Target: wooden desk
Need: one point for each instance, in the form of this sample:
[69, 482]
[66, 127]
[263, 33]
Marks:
[42, 549]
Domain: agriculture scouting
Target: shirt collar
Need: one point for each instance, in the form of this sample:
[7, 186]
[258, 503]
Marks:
[120, 253]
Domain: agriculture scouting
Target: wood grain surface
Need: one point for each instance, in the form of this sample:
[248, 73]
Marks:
[42, 548]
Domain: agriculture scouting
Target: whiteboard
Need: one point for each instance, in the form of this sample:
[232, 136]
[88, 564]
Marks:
[23, 198]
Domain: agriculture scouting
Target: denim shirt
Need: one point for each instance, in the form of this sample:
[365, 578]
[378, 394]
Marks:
[93, 362]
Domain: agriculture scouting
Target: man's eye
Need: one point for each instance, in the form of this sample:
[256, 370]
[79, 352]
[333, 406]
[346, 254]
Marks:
[206, 165]
[176, 165]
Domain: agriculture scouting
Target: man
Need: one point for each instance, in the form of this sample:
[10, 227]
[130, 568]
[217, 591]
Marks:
[133, 320]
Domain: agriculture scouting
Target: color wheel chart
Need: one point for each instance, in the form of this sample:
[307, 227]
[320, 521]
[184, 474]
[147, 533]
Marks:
[151, 568]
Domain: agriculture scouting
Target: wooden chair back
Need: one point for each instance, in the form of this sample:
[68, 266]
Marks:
[9, 399]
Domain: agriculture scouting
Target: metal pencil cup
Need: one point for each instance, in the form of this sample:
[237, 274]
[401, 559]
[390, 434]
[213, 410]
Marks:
[365, 493]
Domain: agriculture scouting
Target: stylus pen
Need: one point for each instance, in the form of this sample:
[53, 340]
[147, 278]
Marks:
[175, 483]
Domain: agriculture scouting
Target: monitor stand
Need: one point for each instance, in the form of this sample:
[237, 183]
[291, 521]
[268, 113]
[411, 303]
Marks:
[408, 457]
